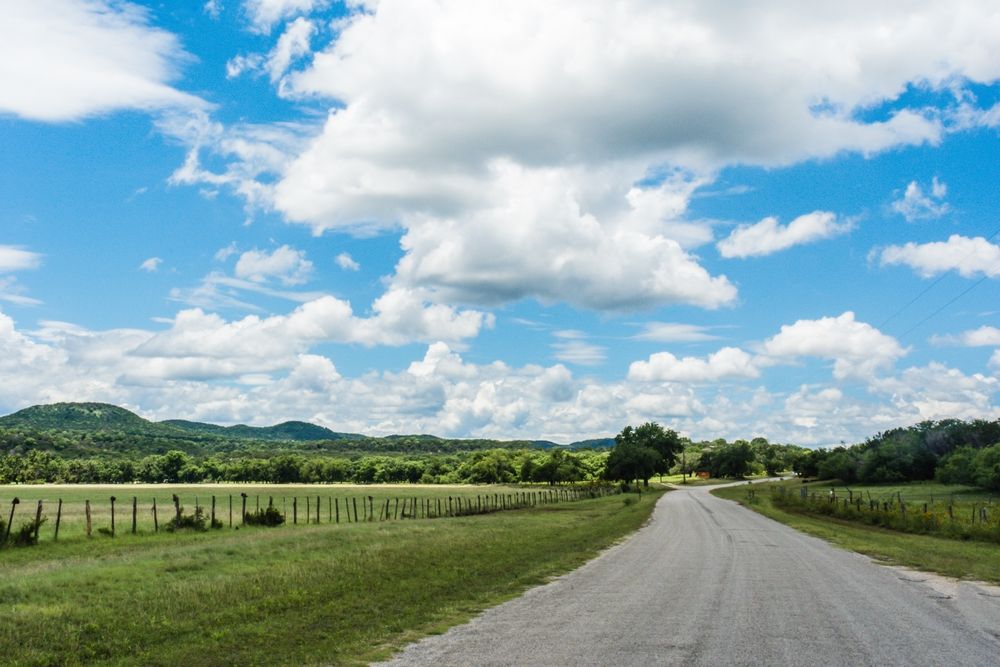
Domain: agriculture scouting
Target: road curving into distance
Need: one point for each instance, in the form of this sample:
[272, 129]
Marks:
[707, 582]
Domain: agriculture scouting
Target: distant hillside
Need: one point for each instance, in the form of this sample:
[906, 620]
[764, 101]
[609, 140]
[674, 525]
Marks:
[99, 429]
[596, 443]
[293, 430]
[83, 417]
[107, 417]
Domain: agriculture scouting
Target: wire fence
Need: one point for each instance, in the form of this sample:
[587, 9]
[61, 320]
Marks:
[945, 517]
[113, 515]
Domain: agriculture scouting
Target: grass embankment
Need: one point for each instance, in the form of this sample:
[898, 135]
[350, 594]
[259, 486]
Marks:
[317, 594]
[952, 557]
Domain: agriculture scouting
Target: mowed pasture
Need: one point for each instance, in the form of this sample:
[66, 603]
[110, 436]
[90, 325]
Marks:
[300, 503]
[312, 594]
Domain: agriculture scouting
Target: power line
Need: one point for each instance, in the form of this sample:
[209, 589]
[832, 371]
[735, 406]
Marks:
[986, 274]
[948, 303]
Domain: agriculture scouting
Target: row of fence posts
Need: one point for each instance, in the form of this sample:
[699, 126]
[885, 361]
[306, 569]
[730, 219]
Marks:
[979, 511]
[412, 507]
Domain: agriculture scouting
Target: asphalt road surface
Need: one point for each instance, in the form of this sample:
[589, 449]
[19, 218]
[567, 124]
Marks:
[708, 582]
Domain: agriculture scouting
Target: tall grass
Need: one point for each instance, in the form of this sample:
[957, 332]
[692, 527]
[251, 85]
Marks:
[951, 518]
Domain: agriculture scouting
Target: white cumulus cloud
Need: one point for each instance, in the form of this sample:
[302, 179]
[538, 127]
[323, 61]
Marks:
[346, 262]
[968, 256]
[527, 126]
[65, 60]
[285, 264]
[151, 265]
[915, 205]
[984, 336]
[264, 14]
[727, 363]
[768, 236]
[856, 348]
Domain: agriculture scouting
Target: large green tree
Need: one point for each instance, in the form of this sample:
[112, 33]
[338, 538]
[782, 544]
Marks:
[642, 451]
[665, 442]
[631, 461]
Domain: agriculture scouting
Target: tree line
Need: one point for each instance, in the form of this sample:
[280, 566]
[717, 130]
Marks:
[950, 451]
[477, 467]
[639, 453]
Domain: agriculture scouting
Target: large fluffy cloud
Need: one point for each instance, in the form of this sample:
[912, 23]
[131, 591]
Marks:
[729, 362]
[533, 239]
[69, 59]
[507, 140]
[856, 348]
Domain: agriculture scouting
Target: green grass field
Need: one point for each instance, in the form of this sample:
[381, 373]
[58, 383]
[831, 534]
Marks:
[957, 558]
[332, 498]
[309, 594]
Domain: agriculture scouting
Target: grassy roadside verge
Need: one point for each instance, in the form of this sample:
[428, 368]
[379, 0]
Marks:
[956, 558]
[307, 595]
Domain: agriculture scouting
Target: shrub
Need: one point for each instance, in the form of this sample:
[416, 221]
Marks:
[25, 535]
[195, 521]
[268, 516]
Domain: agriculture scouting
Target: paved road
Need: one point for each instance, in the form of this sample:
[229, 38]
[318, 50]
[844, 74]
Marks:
[707, 582]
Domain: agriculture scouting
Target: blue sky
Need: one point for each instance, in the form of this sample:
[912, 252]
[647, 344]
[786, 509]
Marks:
[474, 219]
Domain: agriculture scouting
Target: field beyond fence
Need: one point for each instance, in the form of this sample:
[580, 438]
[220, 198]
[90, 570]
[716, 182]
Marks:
[944, 516]
[29, 514]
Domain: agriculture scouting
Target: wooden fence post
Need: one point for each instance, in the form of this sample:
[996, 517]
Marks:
[113, 516]
[156, 520]
[336, 506]
[135, 512]
[177, 509]
[230, 510]
[354, 501]
[10, 522]
[243, 514]
[86, 509]
[38, 519]
[396, 510]
[58, 518]
[295, 510]
[212, 524]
